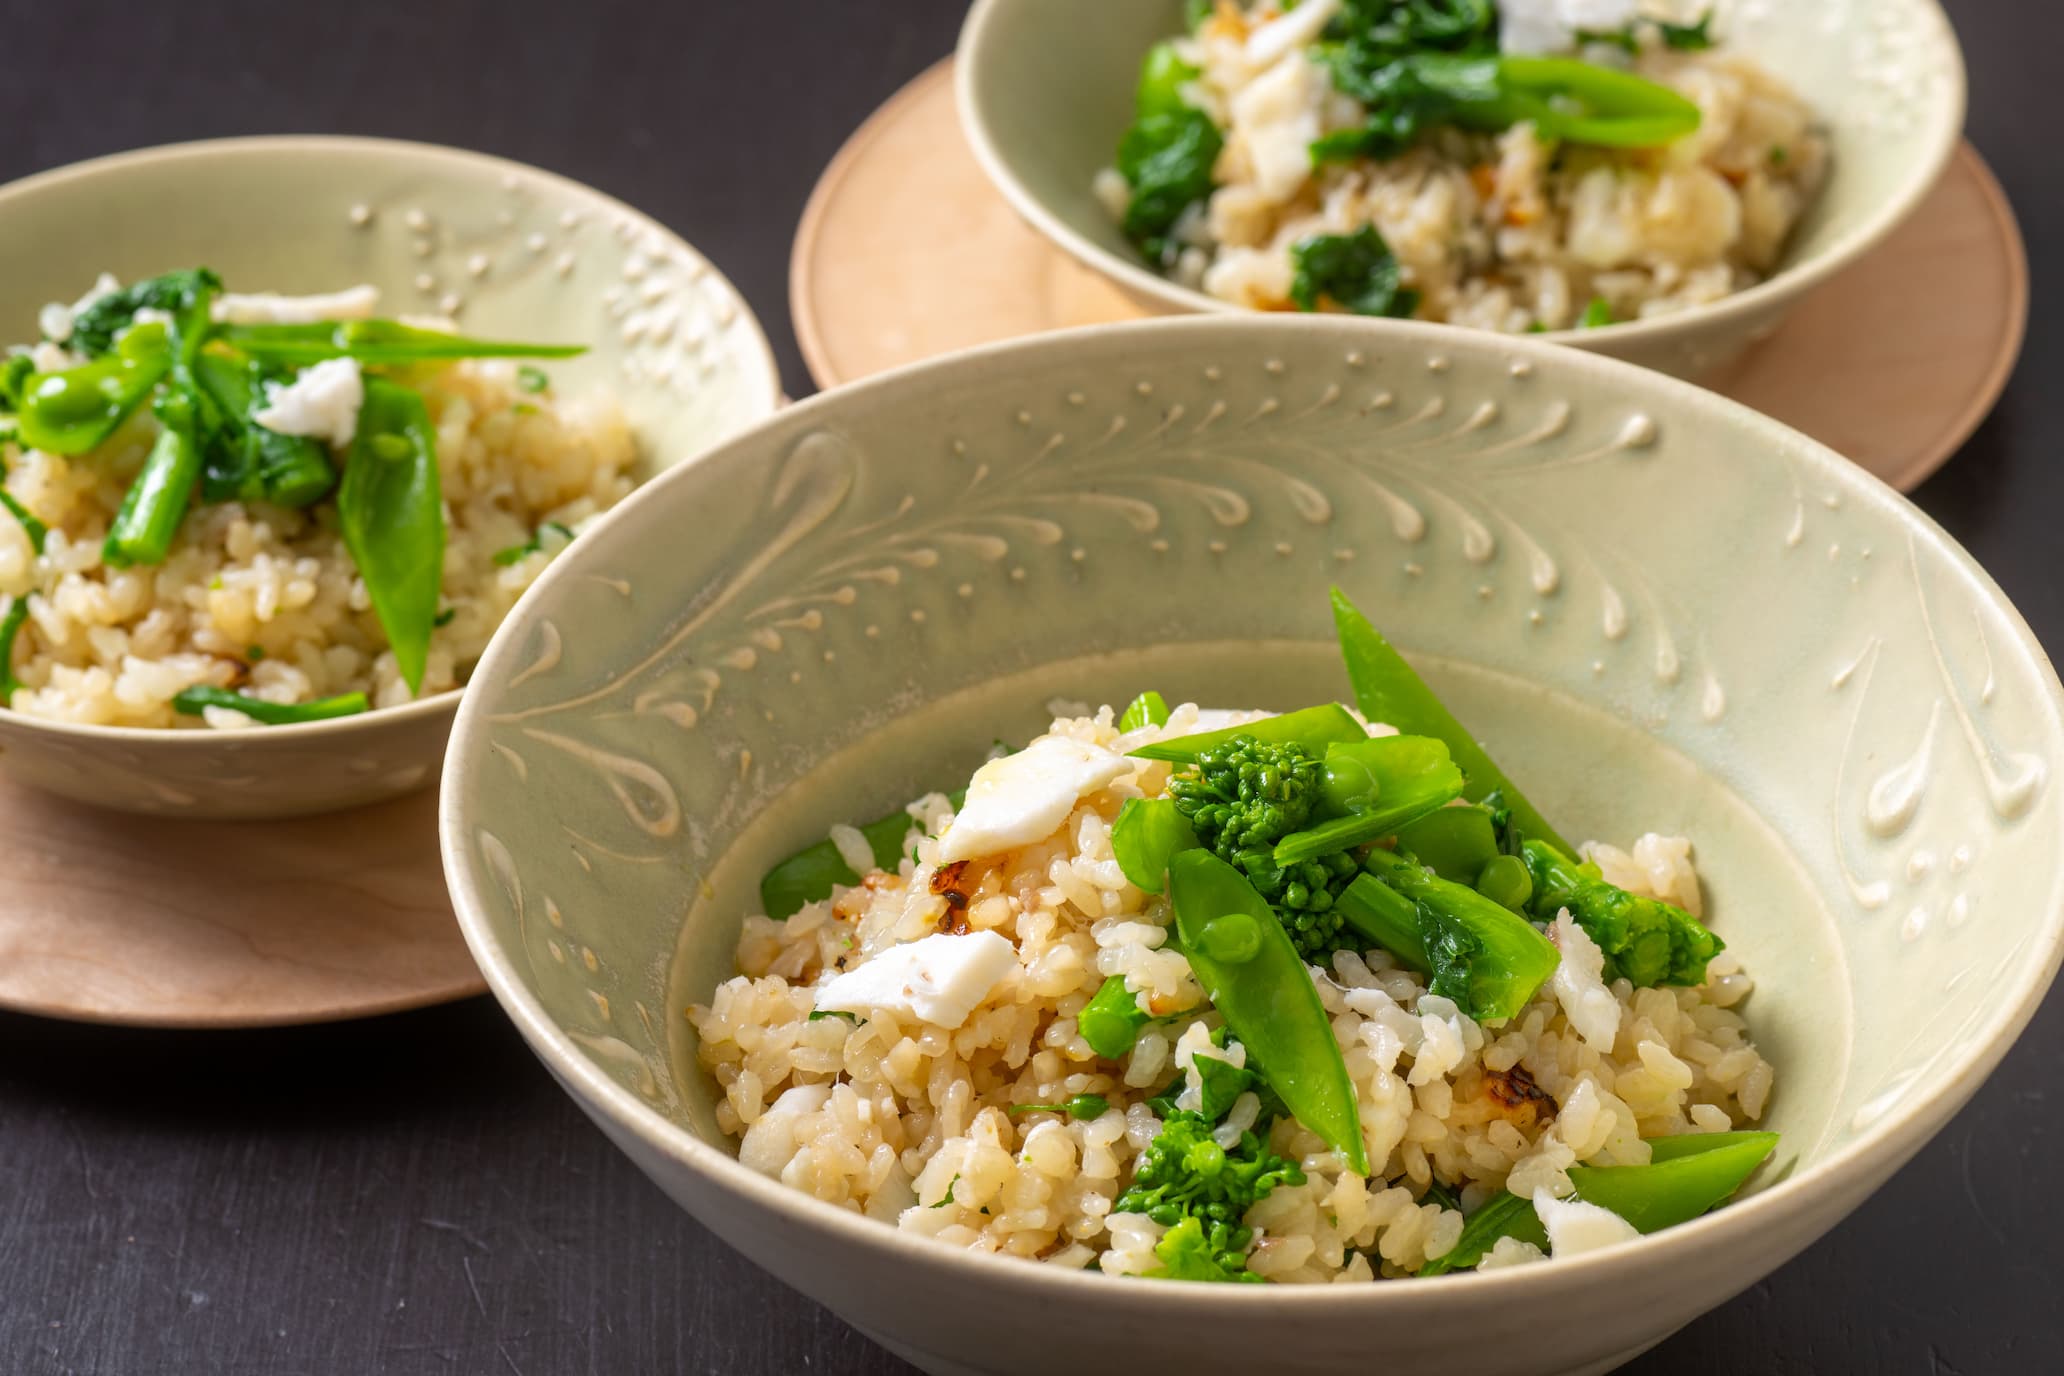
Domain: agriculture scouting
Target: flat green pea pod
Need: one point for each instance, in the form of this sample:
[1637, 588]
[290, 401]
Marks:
[1582, 102]
[1148, 709]
[1454, 842]
[74, 411]
[1372, 787]
[1388, 690]
[1148, 833]
[378, 342]
[393, 519]
[1259, 984]
[814, 871]
[1313, 728]
[1687, 1175]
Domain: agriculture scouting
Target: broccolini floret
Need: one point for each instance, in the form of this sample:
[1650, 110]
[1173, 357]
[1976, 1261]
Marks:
[1645, 940]
[1200, 1191]
[1242, 797]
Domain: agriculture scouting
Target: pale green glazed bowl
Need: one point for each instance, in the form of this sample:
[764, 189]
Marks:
[1660, 609]
[1045, 89]
[518, 252]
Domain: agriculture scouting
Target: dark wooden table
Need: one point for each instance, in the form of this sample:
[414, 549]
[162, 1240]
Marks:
[414, 1194]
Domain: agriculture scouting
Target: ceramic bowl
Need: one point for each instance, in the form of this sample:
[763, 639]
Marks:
[1659, 608]
[511, 250]
[1045, 89]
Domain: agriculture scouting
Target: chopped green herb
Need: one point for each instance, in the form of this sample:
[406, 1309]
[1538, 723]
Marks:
[1687, 38]
[947, 1198]
[192, 701]
[1597, 314]
[31, 526]
[531, 378]
[1779, 155]
[10, 626]
[818, 1015]
[444, 618]
[1356, 272]
[254, 653]
[516, 553]
[1082, 1107]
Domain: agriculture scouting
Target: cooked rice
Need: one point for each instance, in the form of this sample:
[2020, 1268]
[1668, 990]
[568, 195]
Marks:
[1497, 231]
[265, 599]
[888, 1115]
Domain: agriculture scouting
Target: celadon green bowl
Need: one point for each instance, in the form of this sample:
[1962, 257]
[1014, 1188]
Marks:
[1045, 88]
[1659, 609]
[511, 250]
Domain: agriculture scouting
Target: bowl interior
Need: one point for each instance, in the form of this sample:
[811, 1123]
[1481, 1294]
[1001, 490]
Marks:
[1662, 611]
[509, 250]
[1049, 88]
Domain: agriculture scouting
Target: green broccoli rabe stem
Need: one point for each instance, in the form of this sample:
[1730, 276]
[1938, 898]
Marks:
[1487, 958]
[1201, 1192]
[193, 701]
[1645, 940]
[377, 342]
[156, 502]
[10, 629]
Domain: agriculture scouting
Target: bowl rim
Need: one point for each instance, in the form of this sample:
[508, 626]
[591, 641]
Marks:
[1937, 145]
[250, 145]
[1872, 1154]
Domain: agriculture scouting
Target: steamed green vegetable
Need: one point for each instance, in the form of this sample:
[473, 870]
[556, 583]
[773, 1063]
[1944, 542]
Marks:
[95, 328]
[1645, 940]
[1356, 272]
[393, 519]
[74, 411]
[1166, 155]
[811, 873]
[1454, 842]
[191, 701]
[156, 502]
[1484, 956]
[1371, 787]
[1268, 1001]
[241, 459]
[10, 627]
[1111, 1021]
[31, 524]
[1148, 709]
[380, 342]
[1388, 690]
[1200, 1191]
[1146, 835]
[1313, 729]
[1082, 1107]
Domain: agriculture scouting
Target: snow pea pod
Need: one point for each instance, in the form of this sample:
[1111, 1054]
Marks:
[1111, 1021]
[1454, 842]
[1148, 709]
[1267, 998]
[1387, 689]
[1147, 834]
[1493, 953]
[379, 342]
[1582, 102]
[392, 515]
[74, 411]
[1688, 1175]
[1313, 728]
[193, 701]
[1375, 785]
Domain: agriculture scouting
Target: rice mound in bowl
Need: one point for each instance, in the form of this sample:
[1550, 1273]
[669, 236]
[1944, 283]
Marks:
[911, 1122]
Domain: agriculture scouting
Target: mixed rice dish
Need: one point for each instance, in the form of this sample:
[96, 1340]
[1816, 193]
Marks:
[1233, 996]
[227, 510]
[1520, 166]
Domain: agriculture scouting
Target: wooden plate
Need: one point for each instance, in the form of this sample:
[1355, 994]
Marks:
[109, 917]
[905, 251]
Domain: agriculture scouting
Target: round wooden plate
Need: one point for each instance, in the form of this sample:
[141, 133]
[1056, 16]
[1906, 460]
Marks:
[905, 251]
[109, 917]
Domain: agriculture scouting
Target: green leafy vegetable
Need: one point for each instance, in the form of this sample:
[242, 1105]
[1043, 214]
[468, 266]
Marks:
[1200, 1191]
[1268, 1001]
[1148, 709]
[94, 329]
[378, 342]
[192, 701]
[1503, 962]
[74, 411]
[392, 516]
[1581, 102]
[1687, 38]
[1356, 272]
[1145, 836]
[1645, 940]
[1219, 1083]
[242, 460]
[1508, 1215]
[1166, 159]
[1405, 97]
[1082, 1107]
[516, 553]
[1387, 689]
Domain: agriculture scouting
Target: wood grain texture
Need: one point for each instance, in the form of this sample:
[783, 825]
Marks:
[906, 252]
[414, 1195]
[111, 917]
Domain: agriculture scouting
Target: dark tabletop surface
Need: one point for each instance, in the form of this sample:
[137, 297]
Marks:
[414, 1194]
